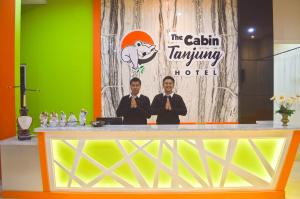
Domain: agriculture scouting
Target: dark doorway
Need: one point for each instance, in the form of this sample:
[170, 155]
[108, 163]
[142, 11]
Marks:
[255, 60]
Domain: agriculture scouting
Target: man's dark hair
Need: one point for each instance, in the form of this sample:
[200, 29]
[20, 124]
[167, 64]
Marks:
[169, 77]
[135, 79]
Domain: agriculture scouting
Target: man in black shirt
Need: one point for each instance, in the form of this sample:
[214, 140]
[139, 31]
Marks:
[134, 108]
[168, 105]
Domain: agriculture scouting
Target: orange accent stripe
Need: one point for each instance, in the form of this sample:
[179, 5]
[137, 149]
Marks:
[97, 59]
[189, 123]
[7, 68]
[221, 122]
[289, 161]
[186, 195]
[43, 161]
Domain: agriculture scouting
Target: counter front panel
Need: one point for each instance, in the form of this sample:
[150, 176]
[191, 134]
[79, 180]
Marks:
[165, 161]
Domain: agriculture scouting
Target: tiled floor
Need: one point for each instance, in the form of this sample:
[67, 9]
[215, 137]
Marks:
[293, 186]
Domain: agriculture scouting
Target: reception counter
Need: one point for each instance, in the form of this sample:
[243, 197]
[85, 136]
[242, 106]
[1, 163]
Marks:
[188, 161]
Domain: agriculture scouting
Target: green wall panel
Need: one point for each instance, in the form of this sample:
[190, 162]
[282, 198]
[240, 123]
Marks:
[57, 46]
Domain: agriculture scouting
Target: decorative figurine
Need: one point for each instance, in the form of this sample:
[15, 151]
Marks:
[44, 119]
[53, 122]
[82, 117]
[72, 121]
[24, 123]
[63, 119]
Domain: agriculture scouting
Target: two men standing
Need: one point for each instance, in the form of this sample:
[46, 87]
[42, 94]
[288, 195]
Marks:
[136, 109]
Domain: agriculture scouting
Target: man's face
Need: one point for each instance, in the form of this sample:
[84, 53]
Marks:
[135, 87]
[168, 85]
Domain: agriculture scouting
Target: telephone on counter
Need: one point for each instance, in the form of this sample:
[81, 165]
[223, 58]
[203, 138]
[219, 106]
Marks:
[97, 123]
[110, 120]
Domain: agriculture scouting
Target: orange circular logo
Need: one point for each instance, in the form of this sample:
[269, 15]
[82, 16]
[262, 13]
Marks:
[137, 48]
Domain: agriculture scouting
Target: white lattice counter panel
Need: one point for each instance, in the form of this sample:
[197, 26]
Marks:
[190, 160]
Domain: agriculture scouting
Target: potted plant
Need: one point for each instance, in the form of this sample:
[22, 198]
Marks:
[285, 106]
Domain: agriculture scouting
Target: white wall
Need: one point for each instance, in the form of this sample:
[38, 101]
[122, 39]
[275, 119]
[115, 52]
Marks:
[287, 78]
[286, 15]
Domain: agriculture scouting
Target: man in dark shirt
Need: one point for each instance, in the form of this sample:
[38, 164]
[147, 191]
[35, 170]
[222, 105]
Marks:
[135, 107]
[168, 105]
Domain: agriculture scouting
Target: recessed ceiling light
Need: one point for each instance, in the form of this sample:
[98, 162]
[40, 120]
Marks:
[252, 36]
[251, 30]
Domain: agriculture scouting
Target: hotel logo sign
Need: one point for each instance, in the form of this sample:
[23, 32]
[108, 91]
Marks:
[137, 48]
[190, 48]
